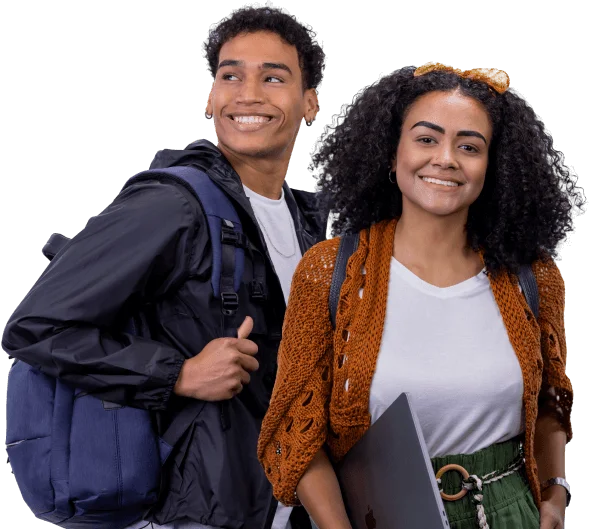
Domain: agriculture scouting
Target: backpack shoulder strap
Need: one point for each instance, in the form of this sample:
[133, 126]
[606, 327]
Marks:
[226, 235]
[348, 245]
[529, 286]
[228, 243]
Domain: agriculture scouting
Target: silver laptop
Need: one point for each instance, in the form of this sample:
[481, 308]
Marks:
[387, 479]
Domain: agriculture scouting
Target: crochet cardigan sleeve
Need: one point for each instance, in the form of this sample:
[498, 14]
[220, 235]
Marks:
[556, 396]
[295, 427]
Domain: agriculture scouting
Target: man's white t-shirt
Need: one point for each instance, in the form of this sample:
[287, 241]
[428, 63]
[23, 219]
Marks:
[276, 223]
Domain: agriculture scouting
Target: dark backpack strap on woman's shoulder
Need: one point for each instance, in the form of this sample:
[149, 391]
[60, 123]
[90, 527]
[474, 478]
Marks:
[348, 245]
[529, 286]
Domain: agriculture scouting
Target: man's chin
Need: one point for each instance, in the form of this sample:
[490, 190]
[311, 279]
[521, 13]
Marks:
[252, 149]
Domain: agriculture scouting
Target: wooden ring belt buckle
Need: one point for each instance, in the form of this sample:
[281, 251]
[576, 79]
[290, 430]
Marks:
[463, 472]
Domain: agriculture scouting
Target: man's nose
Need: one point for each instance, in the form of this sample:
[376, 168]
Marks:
[251, 92]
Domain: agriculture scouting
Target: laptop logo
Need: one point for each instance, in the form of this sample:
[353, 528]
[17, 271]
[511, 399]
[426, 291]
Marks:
[369, 519]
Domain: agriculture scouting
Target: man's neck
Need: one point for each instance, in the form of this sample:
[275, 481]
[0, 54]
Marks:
[264, 176]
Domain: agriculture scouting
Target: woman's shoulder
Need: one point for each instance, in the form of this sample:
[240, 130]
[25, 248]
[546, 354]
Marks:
[323, 250]
[314, 273]
[551, 288]
[322, 256]
[550, 280]
[547, 273]
[317, 264]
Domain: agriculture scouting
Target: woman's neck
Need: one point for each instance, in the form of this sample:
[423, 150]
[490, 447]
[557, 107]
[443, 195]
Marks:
[435, 247]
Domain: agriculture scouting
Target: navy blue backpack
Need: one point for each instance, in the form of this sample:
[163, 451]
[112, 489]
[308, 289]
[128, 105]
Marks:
[83, 463]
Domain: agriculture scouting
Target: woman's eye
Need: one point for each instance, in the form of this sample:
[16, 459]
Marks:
[469, 148]
[426, 141]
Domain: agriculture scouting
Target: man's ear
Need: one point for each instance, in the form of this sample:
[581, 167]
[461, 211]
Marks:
[209, 106]
[311, 105]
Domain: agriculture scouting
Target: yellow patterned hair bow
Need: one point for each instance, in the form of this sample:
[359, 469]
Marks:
[496, 79]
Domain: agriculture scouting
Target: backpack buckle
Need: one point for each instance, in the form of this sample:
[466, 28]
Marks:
[230, 236]
[229, 303]
[259, 292]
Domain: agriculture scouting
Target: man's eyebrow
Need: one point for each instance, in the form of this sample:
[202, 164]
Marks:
[264, 66]
[276, 66]
[435, 127]
[230, 62]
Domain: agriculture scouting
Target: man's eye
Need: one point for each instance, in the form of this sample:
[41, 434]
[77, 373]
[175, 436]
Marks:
[229, 77]
[272, 79]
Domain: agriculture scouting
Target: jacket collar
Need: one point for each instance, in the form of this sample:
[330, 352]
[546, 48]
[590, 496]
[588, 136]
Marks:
[310, 224]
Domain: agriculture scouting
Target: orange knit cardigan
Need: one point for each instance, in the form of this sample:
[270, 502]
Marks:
[310, 405]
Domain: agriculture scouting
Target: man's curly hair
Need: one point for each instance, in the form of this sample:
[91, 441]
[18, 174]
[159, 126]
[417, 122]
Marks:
[525, 208]
[253, 19]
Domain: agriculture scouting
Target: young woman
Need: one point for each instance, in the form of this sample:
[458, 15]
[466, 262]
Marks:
[453, 184]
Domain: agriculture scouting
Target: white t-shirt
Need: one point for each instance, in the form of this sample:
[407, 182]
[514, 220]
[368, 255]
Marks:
[448, 348]
[276, 223]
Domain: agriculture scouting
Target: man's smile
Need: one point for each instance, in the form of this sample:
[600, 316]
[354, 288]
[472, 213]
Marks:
[250, 122]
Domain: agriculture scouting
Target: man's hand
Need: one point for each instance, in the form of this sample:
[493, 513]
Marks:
[221, 369]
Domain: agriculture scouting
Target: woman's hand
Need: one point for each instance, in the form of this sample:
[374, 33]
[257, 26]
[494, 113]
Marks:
[552, 508]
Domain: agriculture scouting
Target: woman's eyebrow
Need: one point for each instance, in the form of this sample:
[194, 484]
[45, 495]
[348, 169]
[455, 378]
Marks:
[441, 130]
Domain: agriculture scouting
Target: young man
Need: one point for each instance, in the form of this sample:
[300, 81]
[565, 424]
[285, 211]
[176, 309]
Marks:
[148, 256]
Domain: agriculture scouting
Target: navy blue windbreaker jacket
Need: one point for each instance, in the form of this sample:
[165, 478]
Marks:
[148, 257]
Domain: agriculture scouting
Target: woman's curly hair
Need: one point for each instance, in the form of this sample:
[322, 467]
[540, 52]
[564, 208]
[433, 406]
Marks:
[525, 208]
[252, 19]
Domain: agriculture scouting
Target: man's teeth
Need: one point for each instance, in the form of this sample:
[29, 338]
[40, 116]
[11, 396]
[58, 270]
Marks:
[441, 182]
[251, 119]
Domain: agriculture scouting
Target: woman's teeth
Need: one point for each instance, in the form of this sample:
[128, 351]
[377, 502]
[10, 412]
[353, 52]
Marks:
[440, 182]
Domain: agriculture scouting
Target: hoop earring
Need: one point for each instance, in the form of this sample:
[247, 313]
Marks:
[308, 123]
[207, 115]
[393, 180]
